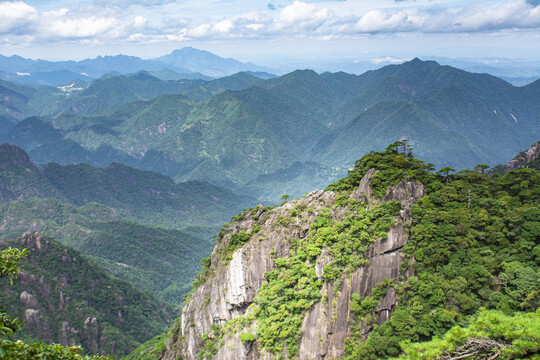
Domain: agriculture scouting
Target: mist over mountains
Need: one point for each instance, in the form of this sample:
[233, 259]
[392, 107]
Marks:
[185, 63]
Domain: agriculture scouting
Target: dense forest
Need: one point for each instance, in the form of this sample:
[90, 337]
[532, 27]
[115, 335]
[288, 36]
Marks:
[468, 282]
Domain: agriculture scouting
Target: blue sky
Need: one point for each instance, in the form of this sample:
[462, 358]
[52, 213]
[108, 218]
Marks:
[272, 30]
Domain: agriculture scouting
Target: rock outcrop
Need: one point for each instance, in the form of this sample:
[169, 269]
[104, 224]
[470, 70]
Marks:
[232, 282]
[525, 158]
[64, 298]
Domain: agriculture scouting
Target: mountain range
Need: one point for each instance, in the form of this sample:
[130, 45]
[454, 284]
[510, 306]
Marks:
[133, 167]
[185, 63]
[316, 123]
[136, 224]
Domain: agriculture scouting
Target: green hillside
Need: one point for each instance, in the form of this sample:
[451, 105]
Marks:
[234, 136]
[120, 89]
[140, 195]
[65, 298]
[107, 214]
[450, 116]
[433, 124]
[470, 262]
[146, 256]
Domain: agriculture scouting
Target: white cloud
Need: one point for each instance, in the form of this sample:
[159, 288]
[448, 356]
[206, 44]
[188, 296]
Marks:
[301, 15]
[387, 59]
[200, 31]
[481, 17]
[117, 20]
[224, 26]
[140, 22]
[86, 27]
[126, 3]
[16, 17]
[473, 17]
[384, 21]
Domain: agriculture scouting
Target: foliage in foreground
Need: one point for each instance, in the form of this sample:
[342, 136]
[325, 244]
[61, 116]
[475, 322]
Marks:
[490, 334]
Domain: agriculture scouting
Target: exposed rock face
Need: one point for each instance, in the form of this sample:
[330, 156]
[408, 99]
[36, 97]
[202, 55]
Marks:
[64, 298]
[524, 158]
[232, 284]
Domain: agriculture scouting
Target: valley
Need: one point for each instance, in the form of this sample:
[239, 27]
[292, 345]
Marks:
[308, 215]
[234, 130]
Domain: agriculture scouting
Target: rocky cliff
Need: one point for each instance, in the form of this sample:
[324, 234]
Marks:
[528, 158]
[288, 282]
[64, 298]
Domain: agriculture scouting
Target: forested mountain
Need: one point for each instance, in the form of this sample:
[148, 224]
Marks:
[65, 298]
[386, 258]
[139, 194]
[162, 261]
[232, 130]
[107, 215]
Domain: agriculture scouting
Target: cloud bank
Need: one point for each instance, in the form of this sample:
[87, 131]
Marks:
[119, 21]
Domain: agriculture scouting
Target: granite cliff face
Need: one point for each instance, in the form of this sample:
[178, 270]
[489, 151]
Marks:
[225, 306]
[527, 158]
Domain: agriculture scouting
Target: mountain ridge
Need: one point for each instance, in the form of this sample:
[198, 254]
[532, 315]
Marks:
[373, 262]
[327, 117]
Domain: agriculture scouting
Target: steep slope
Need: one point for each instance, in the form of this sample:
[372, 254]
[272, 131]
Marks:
[433, 124]
[44, 142]
[388, 254]
[529, 158]
[65, 298]
[154, 259]
[20, 179]
[13, 100]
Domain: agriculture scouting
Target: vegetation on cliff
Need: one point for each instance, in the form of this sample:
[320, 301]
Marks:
[64, 297]
[9, 325]
[472, 245]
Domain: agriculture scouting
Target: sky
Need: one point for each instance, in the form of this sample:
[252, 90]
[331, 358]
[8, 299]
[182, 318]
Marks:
[270, 31]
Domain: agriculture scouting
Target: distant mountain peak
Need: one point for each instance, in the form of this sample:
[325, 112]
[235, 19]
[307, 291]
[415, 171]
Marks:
[11, 155]
[205, 62]
[144, 75]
